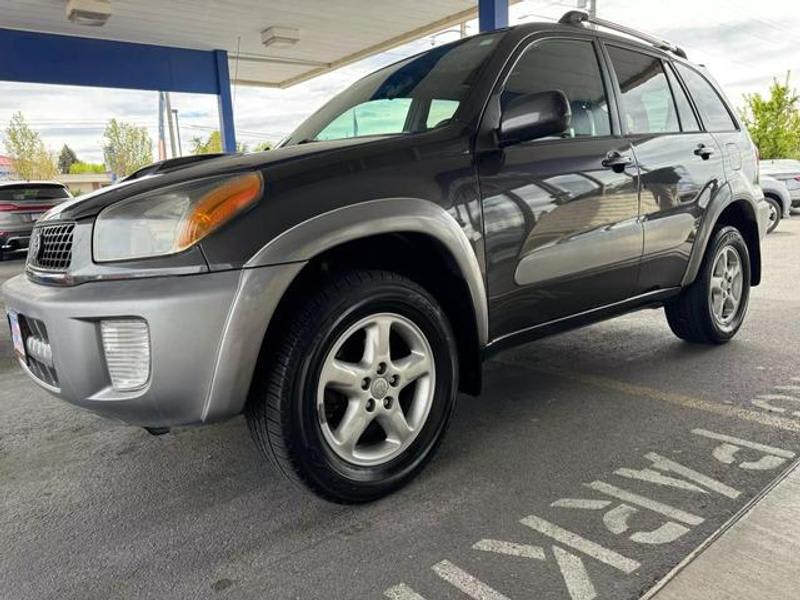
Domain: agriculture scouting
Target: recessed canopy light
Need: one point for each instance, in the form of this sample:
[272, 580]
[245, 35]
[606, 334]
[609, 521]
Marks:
[93, 13]
[280, 37]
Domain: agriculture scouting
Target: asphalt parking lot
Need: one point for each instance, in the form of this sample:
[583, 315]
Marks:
[592, 465]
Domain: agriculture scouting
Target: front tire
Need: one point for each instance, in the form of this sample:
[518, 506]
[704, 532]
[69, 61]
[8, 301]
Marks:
[711, 310]
[360, 388]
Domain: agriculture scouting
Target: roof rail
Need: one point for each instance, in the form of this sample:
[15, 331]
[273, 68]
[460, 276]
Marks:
[579, 17]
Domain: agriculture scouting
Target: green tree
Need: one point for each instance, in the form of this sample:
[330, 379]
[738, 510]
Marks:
[212, 144]
[66, 159]
[126, 147]
[27, 151]
[774, 122]
[80, 168]
[263, 147]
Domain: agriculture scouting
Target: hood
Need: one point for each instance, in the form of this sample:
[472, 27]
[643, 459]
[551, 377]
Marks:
[89, 205]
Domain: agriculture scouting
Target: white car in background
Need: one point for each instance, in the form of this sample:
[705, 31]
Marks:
[788, 171]
[779, 199]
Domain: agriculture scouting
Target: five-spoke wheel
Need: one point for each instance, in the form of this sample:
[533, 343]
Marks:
[376, 389]
[727, 282]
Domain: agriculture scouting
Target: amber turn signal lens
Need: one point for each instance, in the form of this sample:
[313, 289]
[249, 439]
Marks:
[219, 206]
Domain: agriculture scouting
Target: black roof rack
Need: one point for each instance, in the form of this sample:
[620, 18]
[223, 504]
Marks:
[579, 17]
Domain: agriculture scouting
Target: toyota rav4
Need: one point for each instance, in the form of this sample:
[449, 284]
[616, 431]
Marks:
[340, 290]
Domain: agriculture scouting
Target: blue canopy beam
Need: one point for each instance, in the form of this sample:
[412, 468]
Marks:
[492, 14]
[32, 57]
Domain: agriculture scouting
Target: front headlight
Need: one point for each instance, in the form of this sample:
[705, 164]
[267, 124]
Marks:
[173, 219]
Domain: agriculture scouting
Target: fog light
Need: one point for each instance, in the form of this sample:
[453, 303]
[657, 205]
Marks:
[126, 343]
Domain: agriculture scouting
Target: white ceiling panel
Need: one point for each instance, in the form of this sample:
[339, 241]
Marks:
[332, 33]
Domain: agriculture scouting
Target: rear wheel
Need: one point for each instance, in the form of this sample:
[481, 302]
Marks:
[775, 213]
[711, 310]
[360, 389]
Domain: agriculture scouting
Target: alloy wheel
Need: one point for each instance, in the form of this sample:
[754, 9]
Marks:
[727, 283]
[376, 389]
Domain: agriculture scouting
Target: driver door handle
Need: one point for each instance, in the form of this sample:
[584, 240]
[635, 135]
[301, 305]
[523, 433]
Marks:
[616, 161]
[703, 151]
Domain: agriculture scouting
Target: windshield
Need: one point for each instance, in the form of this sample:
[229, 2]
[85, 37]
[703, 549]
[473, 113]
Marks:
[417, 94]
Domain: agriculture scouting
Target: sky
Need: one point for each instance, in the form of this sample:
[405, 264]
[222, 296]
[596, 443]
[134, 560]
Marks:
[744, 43]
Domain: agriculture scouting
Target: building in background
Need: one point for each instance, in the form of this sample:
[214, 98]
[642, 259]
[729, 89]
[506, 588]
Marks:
[6, 168]
[84, 183]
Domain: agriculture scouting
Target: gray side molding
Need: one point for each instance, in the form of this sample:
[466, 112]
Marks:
[390, 215]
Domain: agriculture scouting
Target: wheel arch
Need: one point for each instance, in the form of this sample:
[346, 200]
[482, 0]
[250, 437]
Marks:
[739, 213]
[416, 238]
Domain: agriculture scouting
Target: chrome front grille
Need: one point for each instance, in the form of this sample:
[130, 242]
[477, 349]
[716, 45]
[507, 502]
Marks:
[50, 247]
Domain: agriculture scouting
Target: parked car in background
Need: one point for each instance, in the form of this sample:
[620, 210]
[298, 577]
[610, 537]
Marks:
[779, 198]
[786, 170]
[341, 289]
[21, 205]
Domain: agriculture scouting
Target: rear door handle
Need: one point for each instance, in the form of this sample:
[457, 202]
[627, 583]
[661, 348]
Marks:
[703, 151]
[616, 161]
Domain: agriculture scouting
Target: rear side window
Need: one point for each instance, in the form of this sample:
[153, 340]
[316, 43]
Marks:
[685, 112]
[570, 66]
[712, 109]
[647, 103]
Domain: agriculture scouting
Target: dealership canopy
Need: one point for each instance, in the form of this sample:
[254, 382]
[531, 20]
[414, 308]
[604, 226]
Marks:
[200, 46]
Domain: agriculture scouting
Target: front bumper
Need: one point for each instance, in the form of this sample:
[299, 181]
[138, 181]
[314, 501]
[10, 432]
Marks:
[205, 335]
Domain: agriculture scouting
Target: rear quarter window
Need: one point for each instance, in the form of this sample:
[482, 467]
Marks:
[713, 111]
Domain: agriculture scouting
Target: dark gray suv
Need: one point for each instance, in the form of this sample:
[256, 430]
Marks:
[340, 290]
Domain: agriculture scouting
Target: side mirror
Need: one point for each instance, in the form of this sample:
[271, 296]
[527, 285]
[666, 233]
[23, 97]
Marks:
[534, 116]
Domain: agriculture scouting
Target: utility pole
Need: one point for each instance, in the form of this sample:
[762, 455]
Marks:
[170, 125]
[177, 131]
[162, 144]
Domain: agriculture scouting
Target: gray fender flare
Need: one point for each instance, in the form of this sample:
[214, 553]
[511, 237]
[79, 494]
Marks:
[703, 235]
[389, 215]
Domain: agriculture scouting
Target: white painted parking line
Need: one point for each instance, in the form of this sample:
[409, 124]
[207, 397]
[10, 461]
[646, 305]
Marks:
[663, 463]
[745, 443]
[472, 587]
[582, 503]
[510, 548]
[402, 592]
[579, 586]
[573, 540]
[651, 476]
[763, 401]
[788, 388]
[659, 507]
